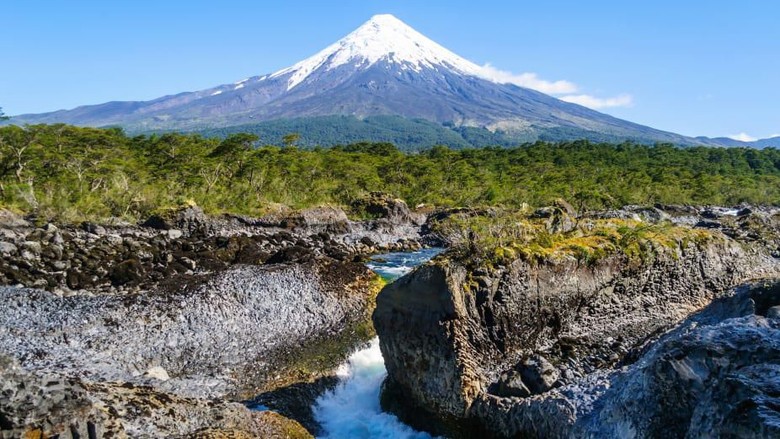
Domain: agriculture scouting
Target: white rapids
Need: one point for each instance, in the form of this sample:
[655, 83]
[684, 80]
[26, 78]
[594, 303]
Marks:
[352, 409]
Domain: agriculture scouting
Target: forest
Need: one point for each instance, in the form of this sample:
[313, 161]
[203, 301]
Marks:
[408, 135]
[69, 174]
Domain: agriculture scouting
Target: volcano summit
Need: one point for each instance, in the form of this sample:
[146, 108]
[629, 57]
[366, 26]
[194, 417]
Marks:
[383, 69]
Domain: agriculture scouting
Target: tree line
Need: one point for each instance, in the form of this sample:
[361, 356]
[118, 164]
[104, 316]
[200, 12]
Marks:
[70, 173]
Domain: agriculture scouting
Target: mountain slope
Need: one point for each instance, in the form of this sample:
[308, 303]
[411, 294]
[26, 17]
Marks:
[384, 68]
[770, 142]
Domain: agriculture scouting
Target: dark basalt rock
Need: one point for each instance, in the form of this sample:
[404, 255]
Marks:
[48, 404]
[93, 228]
[510, 384]
[709, 224]
[190, 220]
[129, 271]
[296, 400]
[456, 347]
[715, 375]
[295, 253]
[122, 259]
[538, 374]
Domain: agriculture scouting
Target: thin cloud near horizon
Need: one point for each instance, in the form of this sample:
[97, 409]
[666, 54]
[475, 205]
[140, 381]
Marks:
[562, 89]
[745, 137]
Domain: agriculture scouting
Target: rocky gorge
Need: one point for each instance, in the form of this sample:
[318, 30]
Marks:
[617, 330]
[163, 329]
[606, 327]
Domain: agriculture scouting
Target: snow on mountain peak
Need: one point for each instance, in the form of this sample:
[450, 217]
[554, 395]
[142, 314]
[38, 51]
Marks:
[383, 37]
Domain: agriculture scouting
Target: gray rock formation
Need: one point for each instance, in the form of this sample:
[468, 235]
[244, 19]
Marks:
[751, 224]
[384, 206]
[151, 364]
[49, 404]
[715, 375]
[465, 343]
[135, 330]
[234, 333]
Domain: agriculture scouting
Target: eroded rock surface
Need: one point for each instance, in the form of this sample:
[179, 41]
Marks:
[117, 330]
[491, 351]
[51, 404]
[164, 363]
[227, 334]
[714, 375]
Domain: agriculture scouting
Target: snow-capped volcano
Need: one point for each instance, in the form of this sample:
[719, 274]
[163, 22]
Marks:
[382, 38]
[383, 68]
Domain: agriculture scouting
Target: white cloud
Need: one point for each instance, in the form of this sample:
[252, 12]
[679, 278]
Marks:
[528, 80]
[565, 90]
[774, 135]
[596, 103]
[743, 137]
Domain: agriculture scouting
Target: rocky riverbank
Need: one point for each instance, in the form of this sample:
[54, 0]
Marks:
[54, 404]
[161, 329]
[117, 330]
[120, 257]
[525, 339]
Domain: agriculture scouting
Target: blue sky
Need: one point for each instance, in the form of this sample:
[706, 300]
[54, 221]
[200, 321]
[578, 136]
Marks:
[695, 67]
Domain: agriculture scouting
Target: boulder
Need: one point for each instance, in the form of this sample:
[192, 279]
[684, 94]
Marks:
[7, 249]
[538, 374]
[291, 254]
[127, 272]
[326, 219]
[11, 220]
[385, 206]
[189, 220]
[157, 373]
[95, 229]
[33, 247]
[560, 217]
[648, 214]
[511, 384]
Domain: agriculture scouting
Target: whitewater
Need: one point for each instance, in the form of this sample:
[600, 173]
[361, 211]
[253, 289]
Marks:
[352, 409]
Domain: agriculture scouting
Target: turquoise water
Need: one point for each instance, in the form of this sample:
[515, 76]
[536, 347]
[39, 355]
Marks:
[391, 266]
[352, 409]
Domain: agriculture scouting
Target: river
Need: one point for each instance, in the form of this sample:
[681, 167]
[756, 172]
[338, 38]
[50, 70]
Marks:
[352, 409]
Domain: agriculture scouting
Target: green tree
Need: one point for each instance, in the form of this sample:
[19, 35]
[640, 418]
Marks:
[15, 146]
[290, 140]
[77, 173]
[233, 154]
